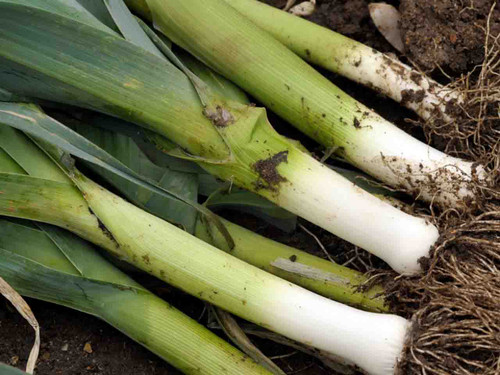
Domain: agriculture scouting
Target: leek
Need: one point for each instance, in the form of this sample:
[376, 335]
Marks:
[321, 276]
[200, 269]
[231, 44]
[53, 265]
[101, 71]
[68, 271]
[351, 59]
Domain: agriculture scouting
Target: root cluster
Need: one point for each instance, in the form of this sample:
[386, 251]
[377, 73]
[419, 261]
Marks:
[455, 304]
[473, 129]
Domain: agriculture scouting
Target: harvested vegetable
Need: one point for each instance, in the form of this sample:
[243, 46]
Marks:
[200, 269]
[231, 44]
[233, 141]
[47, 263]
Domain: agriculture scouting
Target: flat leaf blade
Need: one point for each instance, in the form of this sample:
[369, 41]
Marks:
[59, 59]
[129, 27]
[21, 150]
[67, 8]
[32, 243]
[32, 120]
[125, 150]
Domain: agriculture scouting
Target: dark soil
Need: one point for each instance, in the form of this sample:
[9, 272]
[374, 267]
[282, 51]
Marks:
[348, 17]
[447, 33]
[114, 354]
[64, 333]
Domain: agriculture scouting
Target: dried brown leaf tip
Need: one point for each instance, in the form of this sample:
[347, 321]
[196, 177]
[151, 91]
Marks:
[23, 308]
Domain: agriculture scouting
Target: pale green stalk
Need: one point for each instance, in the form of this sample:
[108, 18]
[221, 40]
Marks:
[231, 44]
[55, 266]
[351, 59]
[321, 276]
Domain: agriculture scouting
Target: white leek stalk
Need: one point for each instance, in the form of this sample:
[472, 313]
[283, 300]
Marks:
[336, 204]
[308, 188]
[372, 341]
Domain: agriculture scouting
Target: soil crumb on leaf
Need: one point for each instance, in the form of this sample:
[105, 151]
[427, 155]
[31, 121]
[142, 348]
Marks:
[219, 116]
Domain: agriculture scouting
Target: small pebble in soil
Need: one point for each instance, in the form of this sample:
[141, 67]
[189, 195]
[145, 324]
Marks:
[87, 348]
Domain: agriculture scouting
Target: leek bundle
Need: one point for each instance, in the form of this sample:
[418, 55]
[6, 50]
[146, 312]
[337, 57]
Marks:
[321, 276]
[196, 267]
[233, 141]
[227, 41]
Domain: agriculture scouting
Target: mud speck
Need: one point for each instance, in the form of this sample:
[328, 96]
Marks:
[146, 259]
[269, 178]
[416, 77]
[412, 96]
[219, 116]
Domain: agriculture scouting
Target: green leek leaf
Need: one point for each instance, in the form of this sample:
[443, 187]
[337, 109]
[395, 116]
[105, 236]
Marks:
[32, 120]
[182, 177]
[129, 27]
[9, 370]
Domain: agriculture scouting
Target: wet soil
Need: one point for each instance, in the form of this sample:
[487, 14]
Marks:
[65, 332]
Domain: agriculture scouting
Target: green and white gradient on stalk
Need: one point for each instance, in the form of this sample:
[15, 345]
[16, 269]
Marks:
[234, 46]
[351, 59]
[211, 274]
